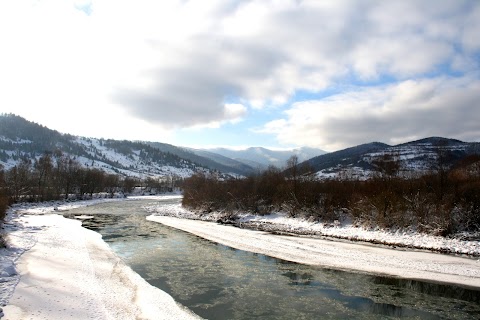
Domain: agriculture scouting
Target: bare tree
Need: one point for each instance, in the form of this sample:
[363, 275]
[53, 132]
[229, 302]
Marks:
[129, 184]
[111, 184]
[292, 175]
[387, 165]
[442, 166]
[43, 173]
[18, 180]
[383, 201]
[3, 198]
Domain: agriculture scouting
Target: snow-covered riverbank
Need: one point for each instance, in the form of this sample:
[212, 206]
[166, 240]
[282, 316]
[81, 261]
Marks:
[279, 223]
[340, 255]
[56, 269]
[61, 270]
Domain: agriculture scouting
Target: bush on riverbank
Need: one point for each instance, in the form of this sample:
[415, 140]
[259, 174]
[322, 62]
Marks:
[442, 202]
[3, 207]
[3, 204]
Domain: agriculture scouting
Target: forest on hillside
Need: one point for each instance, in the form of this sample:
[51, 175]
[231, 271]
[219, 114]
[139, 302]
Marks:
[443, 201]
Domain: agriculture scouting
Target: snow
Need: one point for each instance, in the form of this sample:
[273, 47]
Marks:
[281, 222]
[56, 269]
[330, 245]
[136, 167]
[414, 159]
[84, 217]
[127, 165]
[403, 238]
[337, 254]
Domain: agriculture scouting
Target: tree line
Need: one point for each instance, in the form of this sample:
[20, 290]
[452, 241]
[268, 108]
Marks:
[56, 176]
[443, 201]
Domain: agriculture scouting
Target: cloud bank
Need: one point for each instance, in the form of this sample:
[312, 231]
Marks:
[373, 70]
[396, 113]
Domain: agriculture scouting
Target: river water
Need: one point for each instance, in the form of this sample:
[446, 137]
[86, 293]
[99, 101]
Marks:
[219, 282]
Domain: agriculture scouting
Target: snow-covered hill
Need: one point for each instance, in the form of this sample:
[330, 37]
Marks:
[415, 157]
[136, 159]
[21, 140]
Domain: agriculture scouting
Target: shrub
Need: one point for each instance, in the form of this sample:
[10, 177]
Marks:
[3, 210]
[426, 203]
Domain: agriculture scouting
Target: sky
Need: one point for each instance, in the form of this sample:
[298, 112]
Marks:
[278, 74]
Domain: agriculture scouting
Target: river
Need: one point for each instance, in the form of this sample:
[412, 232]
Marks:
[219, 282]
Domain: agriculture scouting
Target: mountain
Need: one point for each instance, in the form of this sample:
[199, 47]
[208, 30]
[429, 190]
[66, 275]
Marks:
[412, 157]
[24, 140]
[261, 158]
[335, 162]
[235, 165]
[21, 139]
[205, 158]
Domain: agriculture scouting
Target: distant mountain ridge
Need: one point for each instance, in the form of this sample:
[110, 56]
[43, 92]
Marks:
[22, 139]
[210, 160]
[412, 157]
[260, 158]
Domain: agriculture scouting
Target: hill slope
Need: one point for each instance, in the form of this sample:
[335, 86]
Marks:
[412, 157]
[21, 139]
[207, 159]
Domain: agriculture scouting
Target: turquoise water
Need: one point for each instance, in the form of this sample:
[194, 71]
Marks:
[219, 282]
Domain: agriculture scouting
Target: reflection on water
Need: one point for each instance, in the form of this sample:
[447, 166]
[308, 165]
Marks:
[219, 282]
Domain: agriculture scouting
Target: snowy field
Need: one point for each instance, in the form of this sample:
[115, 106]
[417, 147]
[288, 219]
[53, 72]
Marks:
[55, 269]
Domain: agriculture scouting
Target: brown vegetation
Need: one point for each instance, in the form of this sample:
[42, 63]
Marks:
[3, 203]
[441, 202]
[58, 176]
[55, 176]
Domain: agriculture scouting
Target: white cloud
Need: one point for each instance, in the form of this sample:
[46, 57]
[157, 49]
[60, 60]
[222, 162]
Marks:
[392, 114]
[262, 52]
[178, 64]
[471, 25]
[234, 112]
[231, 113]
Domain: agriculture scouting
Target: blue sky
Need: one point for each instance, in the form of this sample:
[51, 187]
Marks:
[282, 74]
